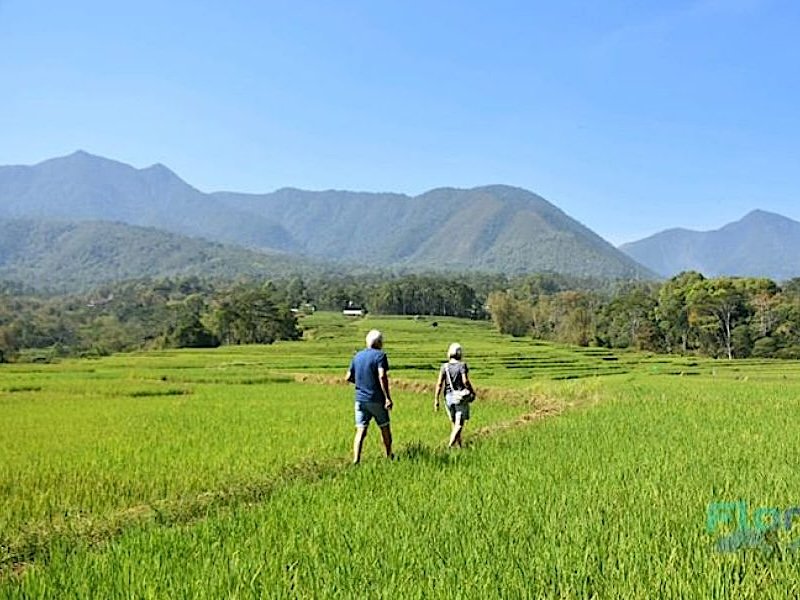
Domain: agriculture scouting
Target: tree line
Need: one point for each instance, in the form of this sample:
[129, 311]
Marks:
[163, 313]
[206, 312]
[724, 317]
[688, 314]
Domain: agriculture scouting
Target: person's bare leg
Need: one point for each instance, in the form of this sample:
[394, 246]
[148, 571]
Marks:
[455, 435]
[386, 433]
[358, 443]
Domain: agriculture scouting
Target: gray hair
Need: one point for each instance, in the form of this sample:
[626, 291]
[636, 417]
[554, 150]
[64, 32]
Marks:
[454, 351]
[374, 338]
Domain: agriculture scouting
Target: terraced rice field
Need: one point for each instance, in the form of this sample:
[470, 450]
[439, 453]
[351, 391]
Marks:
[224, 473]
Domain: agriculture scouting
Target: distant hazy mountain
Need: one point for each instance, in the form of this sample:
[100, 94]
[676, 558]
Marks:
[69, 256]
[493, 228]
[86, 187]
[761, 244]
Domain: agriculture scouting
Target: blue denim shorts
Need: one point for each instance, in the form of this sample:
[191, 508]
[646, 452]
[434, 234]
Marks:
[366, 411]
[455, 409]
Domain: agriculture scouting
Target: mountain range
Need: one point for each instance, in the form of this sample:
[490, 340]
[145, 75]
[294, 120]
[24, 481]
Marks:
[761, 244]
[493, 228]
[85, 218]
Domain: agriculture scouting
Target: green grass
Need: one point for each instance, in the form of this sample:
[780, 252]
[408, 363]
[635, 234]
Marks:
[217, 474]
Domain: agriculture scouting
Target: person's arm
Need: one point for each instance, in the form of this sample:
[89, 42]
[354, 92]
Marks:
[350, 377]
[383, 378]
[439, 384]
[467, 382]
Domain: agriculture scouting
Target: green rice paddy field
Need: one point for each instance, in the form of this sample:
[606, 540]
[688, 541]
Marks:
[225, 474]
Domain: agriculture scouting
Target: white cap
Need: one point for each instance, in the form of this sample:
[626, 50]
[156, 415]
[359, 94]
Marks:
[374, 337]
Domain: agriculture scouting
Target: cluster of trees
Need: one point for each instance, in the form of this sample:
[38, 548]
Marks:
[721, 317]
[411, 294]
[195, 312]
[406, 295]
[142, 314]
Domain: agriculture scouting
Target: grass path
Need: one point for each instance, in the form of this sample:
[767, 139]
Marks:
[33, 545]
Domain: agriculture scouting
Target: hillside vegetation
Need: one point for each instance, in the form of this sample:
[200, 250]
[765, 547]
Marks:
[493, 228]
[70, 256]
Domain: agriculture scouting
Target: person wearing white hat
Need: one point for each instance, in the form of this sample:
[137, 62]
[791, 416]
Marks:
[458, 392]
[369, 372]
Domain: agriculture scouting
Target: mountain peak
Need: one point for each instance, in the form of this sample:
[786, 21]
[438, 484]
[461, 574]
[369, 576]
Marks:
[761, 216]
[159, 169]
[80, 157]
[501, 188]
[760, 244]
[83, 155]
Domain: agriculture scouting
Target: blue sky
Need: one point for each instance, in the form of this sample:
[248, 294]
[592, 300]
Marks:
[631, 116]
